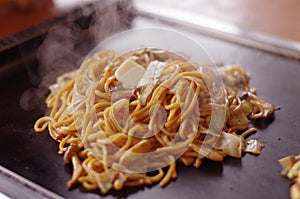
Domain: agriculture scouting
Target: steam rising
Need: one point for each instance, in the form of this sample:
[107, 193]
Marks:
[66, 45]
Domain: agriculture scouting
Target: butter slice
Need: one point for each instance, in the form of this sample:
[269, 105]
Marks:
[129, 73]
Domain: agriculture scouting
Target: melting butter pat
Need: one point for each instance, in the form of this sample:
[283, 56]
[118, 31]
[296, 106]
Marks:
[129, 73]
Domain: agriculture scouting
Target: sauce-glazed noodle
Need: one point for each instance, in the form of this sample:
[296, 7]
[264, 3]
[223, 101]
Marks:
[176, 94]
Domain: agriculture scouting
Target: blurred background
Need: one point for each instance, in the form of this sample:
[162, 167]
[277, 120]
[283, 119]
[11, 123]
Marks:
[276, 18]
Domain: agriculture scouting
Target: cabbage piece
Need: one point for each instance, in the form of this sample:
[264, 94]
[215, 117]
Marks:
[246, 108]
[234, 145]
[235, 77]
[291, 169]
[239, 119]
[287, 162]
[231, 144]
[149, 79]
[254, 147]
[268, 107]
[295, 191]
[294, 171]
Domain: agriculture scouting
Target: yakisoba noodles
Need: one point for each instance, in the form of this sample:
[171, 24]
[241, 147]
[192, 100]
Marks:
[176, 91]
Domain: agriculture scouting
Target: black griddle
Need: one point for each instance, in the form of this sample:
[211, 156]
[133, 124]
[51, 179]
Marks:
[277, 79]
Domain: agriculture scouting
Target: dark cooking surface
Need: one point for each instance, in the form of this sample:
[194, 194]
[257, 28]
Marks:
[276, 78]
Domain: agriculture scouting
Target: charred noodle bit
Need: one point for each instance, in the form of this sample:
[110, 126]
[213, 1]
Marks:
[291, 169]
[178, 89]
